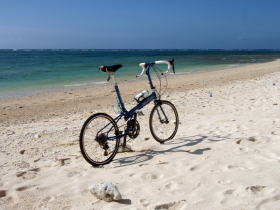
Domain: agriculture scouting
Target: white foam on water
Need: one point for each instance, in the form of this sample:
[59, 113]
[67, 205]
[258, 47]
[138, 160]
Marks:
[234, 65]
[85, 84]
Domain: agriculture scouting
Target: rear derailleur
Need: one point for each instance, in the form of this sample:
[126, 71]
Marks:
[102, 141]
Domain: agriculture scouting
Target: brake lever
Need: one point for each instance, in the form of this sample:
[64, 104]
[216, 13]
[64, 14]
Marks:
[173, 65]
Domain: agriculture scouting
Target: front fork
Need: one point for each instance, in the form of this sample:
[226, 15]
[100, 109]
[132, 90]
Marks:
[164, 119]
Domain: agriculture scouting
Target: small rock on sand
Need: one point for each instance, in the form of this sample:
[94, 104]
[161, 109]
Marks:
[106, 191]
[255, 189]
[20, 173]
[9, 133]
[22, 188]
[238, 141]
[64, 161]
[3, 193]
[37, 136]
[171, 205]
[252, 138]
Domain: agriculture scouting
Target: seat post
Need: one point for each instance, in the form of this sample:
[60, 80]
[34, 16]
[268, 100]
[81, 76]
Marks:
[114, 79]
[119, 97]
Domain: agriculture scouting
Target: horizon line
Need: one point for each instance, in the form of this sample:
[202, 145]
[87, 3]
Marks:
[183, 49]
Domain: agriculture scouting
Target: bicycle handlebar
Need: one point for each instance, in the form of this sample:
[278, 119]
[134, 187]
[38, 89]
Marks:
[170, 64]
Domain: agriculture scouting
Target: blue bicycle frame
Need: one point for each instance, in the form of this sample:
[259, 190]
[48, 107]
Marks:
[129, 114]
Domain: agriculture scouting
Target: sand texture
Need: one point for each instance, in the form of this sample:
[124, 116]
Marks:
[226, 154]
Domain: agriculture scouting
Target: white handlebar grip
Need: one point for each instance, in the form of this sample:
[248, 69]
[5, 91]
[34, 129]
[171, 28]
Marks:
[164, 62]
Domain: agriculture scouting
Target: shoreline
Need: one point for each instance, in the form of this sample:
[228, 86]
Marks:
[45, 105]
[35, 91]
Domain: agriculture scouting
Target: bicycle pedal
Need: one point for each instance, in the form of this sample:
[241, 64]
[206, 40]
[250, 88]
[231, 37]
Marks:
[140, 113]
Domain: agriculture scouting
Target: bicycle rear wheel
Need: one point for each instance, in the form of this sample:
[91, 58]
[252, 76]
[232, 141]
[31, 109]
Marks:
[163, 121]
[99, 139]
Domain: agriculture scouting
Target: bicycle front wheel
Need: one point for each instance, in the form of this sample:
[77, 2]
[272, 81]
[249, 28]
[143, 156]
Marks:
[163, 121]
[99, 139]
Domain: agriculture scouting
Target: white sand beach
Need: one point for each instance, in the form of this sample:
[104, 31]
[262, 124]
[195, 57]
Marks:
[226, 154]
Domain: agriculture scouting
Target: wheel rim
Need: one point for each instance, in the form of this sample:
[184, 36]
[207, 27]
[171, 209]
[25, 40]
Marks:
[164, 122]
[97, 146]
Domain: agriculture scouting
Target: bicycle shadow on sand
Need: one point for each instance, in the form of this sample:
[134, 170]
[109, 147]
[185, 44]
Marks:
[180, 146]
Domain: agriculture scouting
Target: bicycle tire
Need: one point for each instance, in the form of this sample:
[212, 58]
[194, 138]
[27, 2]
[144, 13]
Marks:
[155, 131]
[83, 149]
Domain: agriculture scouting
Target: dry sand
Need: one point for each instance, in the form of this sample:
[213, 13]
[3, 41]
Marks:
[226, 154]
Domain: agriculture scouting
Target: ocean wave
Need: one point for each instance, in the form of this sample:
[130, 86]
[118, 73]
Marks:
[85, 84]
[234, 65]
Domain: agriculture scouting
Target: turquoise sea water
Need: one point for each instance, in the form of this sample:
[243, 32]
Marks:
[32, 71]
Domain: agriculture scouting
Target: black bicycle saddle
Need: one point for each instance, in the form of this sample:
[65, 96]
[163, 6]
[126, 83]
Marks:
[109, 69]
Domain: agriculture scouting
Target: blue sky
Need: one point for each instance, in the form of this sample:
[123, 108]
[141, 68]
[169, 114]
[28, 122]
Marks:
[131, 24]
